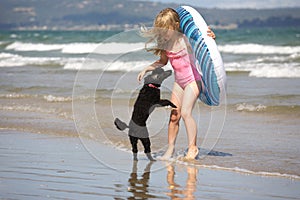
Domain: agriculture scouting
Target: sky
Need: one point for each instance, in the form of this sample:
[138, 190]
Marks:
[259, 4]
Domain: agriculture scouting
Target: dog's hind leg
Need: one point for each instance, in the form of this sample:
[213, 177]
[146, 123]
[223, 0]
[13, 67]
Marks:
[134, 141]
[149, 156]
[146, 143]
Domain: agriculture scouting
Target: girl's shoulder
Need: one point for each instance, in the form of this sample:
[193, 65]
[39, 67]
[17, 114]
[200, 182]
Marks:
[180, 44]
[186, 44]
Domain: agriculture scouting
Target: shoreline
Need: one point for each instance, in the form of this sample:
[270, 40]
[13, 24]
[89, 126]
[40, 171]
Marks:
[44, 165]
[205, 165]
[238, 149]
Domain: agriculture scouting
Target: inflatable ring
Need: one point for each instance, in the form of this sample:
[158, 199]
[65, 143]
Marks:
[209, 61]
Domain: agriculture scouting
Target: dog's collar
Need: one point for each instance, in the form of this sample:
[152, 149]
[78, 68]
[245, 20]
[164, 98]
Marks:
[152, 86]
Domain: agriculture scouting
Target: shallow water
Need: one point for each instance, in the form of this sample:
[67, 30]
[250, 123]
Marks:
[262, 140]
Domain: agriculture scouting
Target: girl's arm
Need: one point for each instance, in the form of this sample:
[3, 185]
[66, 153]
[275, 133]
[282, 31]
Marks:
[163, 60]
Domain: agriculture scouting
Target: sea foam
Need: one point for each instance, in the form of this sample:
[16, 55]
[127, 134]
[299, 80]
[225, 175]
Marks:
[250, 107]
[258, 173]
[15, 60]
[283, 71]
[20, 46]
[51, 98]
[252, 48]
[78, 48]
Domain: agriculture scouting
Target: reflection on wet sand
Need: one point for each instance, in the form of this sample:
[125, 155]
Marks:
[177, 191]
[138, 186]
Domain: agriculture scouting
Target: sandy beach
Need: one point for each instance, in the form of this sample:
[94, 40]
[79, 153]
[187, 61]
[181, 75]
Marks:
[48, 166]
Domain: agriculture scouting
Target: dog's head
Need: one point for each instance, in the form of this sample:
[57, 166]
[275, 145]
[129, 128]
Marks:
[157, 76]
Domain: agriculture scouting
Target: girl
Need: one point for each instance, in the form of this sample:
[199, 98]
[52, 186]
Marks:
[172, 45]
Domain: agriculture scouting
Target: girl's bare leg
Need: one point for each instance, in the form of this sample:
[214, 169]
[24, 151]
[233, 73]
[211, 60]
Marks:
[190, 96]
[173, 128]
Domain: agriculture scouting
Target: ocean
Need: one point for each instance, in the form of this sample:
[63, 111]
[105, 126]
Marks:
[74, 83]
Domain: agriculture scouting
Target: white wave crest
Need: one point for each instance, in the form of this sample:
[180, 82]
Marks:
[107, 66]
[27, 108]
[14, 96]
[126, 66]
[123, 47]
[264, 66]
[102, 48]
[14, 60]
[283, 71]
[250, 108]
[258, 49]
[51, 98]
[20, 46]
[78, 48]
[72, 63]
[278, 68]
[7, 55]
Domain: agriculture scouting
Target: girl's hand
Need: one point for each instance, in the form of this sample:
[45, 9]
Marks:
[141, 75]
[159, 63]
[211, 34]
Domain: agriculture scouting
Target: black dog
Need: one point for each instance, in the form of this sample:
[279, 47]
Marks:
[148, 99]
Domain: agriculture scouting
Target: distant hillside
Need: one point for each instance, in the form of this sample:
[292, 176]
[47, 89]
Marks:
[120, 14]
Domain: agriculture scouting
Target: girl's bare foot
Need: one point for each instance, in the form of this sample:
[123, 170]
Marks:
[169, 153]
[192, 153]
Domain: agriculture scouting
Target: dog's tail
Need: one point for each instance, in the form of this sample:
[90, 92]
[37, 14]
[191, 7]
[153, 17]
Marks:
[120, 125]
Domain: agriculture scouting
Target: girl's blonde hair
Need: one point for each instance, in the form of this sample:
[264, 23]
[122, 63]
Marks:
[166, 19]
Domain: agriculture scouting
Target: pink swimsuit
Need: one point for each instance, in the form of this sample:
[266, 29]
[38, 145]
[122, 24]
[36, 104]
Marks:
[183, 64]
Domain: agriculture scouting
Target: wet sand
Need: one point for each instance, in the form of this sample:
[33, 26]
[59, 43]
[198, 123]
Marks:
[48, 166]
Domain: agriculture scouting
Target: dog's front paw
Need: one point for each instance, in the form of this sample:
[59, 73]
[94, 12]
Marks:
[169, 107]
[166, 103]
[173, 105]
